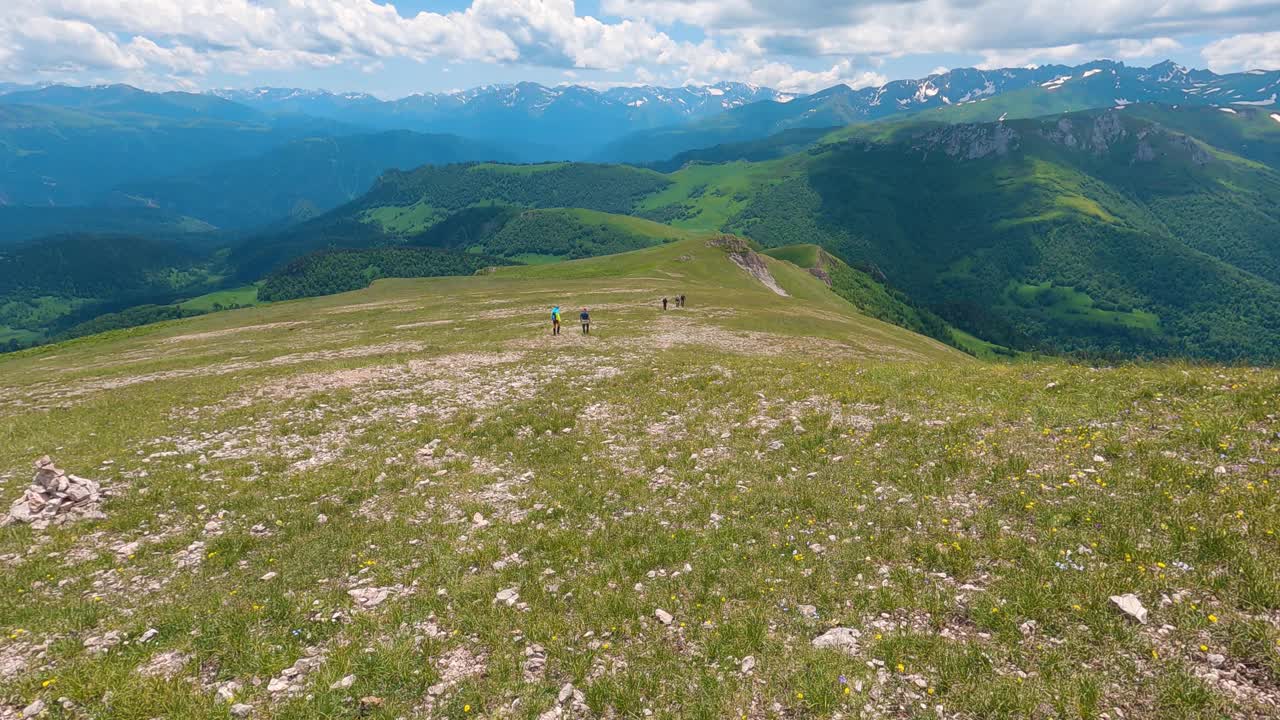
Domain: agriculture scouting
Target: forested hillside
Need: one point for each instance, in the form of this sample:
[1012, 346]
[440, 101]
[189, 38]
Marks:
[1108, 233]
[300, 179]
[335, 271]
[46, 286]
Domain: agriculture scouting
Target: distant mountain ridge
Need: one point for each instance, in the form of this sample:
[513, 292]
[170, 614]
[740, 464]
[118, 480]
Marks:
[1108, 84]
[570, 121]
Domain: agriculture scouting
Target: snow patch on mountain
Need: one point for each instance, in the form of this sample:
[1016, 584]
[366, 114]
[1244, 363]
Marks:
[987, 89]
[1261, 103]
[1091, 73]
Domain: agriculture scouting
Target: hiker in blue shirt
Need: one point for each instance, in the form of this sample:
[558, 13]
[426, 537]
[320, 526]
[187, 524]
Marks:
[555, 320]
[585, 317]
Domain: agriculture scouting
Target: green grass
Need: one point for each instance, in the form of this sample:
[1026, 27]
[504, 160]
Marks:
[1066, 304]
[243, 296]
[714, 193]
[19, 334]
[408, 220]
[726, 462]
[531, 169]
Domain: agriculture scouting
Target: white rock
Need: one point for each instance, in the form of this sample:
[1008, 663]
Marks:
[35, 708]
[270, 576]
[1215, 659]
[748, 664]
[241, 710]
[344, 683]
[148, 635]
[226, 692]
[808, 611]
[1130, 605]
[663, 616]
[507, 597]
[843, 639]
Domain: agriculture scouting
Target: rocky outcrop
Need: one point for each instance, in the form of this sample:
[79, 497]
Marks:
[971, 142]
[55, 497]
[741, 254]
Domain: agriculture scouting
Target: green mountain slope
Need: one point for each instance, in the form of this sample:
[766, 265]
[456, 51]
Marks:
[67, 156]
[414, 501]
[875, 299]
[335, 271]
[1156, 242]
[21, 223]
[300, 179]
[52, 284]
[446, 206]
[1103, 232]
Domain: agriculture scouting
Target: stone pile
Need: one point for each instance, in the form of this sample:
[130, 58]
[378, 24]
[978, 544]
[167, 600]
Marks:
[55, 497]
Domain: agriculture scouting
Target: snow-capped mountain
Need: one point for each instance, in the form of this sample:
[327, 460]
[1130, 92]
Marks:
[961, 94]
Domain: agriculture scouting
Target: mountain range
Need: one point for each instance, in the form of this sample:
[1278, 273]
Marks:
[566, 122]
[1018, 210]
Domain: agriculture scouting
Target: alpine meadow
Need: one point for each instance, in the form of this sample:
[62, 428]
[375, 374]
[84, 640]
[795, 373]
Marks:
[622, 360]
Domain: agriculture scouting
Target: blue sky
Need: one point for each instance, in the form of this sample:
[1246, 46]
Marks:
[413, 46]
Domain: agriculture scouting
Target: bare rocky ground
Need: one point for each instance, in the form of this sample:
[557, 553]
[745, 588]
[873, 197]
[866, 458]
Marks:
[413, 502]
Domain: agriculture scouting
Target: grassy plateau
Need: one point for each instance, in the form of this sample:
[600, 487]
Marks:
[412, 501]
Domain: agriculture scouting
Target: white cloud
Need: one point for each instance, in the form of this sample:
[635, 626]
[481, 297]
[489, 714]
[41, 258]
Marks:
[788, 79]
[181, 41]
[1244, 52]
[901, 27]
[1139, 50]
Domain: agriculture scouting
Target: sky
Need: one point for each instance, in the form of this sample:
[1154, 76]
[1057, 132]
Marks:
[394, 49]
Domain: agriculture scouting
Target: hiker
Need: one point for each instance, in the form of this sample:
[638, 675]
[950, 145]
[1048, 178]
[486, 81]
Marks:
[585, 316]
[682, 301]
[555, 320]
[664, 303]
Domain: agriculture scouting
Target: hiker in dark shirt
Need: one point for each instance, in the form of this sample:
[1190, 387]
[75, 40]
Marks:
[681, 301]
[586, 321]
[664, 303]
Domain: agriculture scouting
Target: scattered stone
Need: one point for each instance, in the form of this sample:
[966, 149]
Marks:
[370, 702]
[1130, 605]
[808, 611]
[241, 710]
[1216, 659]
[55, 497]
[570, 703]
[292, 679]
[270, 576]
[35, 708]
[371, 597]
[455, 666]
[663, 616]
[748, 664]
[843, 639]
[100, 645]
[535, 663]
[165, 665]
[507, 597]
[149, 635]
[344, 683]
[226, 692]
